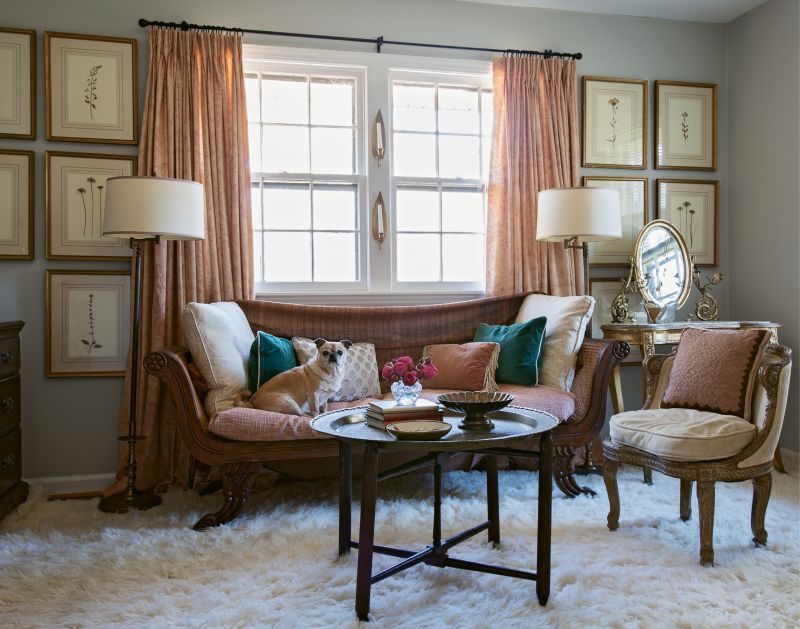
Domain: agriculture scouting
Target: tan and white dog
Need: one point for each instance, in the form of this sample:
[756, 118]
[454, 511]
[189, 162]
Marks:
[305, 389]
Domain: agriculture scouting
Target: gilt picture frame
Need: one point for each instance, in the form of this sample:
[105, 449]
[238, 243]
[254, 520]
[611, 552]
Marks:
[686, 125]
[634, 206]
[16, 205]
[692, 206]
[75, 200]
[90, 88]
[17, 83]
[87, 323]
[614, 123]
[604, 290]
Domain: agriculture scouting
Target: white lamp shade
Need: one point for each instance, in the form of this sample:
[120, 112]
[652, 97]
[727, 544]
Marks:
[586, 213]
[145, 207]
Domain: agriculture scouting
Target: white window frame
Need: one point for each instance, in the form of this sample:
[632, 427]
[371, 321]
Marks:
[376, 285]
[482, 82]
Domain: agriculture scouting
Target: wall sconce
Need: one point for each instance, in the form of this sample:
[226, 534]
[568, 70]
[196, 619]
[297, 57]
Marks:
[379, 138]
[379, 220]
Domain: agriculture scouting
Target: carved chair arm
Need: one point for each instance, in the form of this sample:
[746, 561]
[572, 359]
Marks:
[769, 377]
[652, 369]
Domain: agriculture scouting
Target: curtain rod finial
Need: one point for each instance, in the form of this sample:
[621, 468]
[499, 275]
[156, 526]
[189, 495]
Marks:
[578, 56]
[143, 22]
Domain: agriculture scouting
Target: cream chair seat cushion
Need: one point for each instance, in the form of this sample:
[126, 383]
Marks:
[682, 434]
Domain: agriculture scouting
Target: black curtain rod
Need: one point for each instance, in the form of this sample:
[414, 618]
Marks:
[377, 41]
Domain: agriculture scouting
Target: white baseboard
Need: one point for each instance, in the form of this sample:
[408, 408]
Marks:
[80, 483]
[77, 484]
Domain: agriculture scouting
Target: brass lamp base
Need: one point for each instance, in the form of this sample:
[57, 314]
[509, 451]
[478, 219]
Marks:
[126, 501]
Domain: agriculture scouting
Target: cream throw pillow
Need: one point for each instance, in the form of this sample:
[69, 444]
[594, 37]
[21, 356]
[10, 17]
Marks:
[360, 378]
[219, 338]
[567, 318]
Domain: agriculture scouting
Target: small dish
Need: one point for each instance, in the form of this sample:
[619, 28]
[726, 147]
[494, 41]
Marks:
[421, 430]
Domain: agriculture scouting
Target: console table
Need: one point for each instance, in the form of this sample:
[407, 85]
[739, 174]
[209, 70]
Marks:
[648, 335]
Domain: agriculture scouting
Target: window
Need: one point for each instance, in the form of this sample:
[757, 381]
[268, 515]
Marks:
[314, 179]
[441, 138]
[306, 182]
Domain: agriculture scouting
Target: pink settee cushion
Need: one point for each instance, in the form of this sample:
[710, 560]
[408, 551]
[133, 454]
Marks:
[252, 424]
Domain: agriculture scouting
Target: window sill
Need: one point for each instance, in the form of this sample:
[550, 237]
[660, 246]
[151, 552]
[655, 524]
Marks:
[370, 299]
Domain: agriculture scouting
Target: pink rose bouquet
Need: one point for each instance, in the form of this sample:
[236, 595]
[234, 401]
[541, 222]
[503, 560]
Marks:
[403, 369]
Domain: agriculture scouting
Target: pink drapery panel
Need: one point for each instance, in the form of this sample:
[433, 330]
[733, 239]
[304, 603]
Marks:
[535, 147]
[194, 127]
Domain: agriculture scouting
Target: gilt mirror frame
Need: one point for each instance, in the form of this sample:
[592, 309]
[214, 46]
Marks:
[687, 262]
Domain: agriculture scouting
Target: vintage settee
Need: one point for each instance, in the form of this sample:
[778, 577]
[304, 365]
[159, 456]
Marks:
[261, 438]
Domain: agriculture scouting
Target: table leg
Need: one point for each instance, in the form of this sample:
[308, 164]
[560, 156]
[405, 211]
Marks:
[437, 503]
[545, 517]
[366, 537]
[345, 496]
[617, 402]
[492, 499]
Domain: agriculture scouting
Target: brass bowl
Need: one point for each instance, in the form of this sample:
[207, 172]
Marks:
[475, 405]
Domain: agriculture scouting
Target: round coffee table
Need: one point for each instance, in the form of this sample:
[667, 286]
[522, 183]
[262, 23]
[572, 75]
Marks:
[512, 424]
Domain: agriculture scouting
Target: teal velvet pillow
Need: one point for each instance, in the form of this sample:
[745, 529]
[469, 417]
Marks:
[269, 356]
[520, 350]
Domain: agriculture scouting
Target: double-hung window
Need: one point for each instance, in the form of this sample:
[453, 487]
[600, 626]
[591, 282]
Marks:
[315, 179]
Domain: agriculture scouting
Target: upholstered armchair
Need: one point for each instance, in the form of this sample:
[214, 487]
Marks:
[703, 446]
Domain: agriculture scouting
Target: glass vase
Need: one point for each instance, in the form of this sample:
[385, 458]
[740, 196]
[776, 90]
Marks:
[404, 394]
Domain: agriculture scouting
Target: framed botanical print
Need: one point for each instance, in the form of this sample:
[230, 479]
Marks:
[614, 123]
[75, 203]
[87, 325]
[692, 206]
[604, 290]
[635, 215]
[90, 88]
[686, 125]
[16, 205]
[17, 83]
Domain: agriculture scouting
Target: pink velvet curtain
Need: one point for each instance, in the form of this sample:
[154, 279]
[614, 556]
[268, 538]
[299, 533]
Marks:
[194, 127]
[535, 147]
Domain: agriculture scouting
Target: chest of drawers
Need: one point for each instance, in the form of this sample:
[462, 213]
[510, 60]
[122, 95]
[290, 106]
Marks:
[12, 490]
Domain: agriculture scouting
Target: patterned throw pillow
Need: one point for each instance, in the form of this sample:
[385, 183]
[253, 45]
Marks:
[715, 371]
[360, 379]
[465, 367]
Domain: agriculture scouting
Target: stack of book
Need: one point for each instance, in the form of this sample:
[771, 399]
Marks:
[381, 414]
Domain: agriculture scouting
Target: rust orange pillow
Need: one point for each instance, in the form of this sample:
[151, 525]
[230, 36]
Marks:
[465, 367]
[715, 371]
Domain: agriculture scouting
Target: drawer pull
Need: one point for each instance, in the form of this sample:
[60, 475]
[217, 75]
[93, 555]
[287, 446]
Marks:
[6, 356]
[8, 461]
[7, 405]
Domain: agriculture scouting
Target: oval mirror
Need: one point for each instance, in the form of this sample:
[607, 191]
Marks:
[660, 253]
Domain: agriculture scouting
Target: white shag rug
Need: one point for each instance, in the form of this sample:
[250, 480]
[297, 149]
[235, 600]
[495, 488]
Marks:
[66, 564]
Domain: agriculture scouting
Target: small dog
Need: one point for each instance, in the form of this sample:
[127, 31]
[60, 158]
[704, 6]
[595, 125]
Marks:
[305, 389]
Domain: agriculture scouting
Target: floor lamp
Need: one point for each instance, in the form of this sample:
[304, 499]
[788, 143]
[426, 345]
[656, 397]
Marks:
[576, 217]
[146, 209]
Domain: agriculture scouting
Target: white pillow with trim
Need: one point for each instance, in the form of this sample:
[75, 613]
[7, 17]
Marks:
[219, 338]
[567, 318]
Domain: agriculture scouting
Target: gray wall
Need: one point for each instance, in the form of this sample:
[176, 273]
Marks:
[70, 425]
[764, 188]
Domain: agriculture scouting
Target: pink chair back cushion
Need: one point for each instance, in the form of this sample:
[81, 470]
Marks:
[715, 371]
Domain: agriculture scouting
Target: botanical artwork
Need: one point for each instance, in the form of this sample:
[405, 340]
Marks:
[91, 94]
[614, 115]
[685, 126]
[76, 202]
[16, 205]
[691, 206]
[604, 291]
[634, 209]
[88, 322]
[17, 83]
